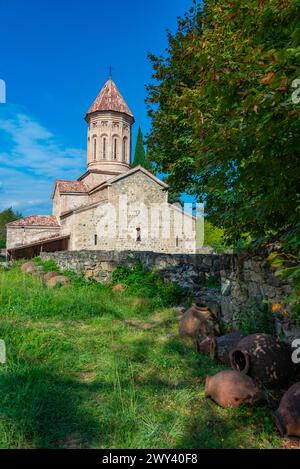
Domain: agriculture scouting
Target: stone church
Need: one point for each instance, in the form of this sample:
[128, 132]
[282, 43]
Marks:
[111, 206]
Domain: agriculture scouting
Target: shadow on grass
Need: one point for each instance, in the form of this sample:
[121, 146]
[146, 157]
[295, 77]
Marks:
[42, 410]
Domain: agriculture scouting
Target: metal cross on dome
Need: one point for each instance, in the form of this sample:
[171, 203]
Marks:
[110, 69]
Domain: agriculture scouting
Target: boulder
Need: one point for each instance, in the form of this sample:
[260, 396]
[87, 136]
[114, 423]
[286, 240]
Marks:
[230, 388]
[29, 267]
[38, 272]
[50, 275]
[58, 280]
[119, 287]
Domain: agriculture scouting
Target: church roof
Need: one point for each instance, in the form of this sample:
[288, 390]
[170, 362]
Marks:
[110, 99]
[76, 187]
[135, 170]
[35, 220]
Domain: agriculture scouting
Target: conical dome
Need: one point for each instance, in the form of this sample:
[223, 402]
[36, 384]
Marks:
[110, 99]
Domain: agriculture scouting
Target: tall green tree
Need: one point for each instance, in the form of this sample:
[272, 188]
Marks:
[6, 216]
[224, 124]
[140, 156]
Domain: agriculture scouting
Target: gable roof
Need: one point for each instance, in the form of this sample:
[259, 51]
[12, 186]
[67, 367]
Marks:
[110, 99]
[35, 221]
[135, 170]
[70, 187]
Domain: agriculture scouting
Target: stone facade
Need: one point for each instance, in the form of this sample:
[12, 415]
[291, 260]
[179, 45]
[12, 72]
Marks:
[112, 207]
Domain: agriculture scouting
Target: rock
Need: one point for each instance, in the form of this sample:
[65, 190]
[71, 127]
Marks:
[89, 274]
[58, 280]
[38, 272]
[119, 287]
[230, 388]
[198, 322]
[29, 267]
[265, 359]
[50, 275]
[287, 417]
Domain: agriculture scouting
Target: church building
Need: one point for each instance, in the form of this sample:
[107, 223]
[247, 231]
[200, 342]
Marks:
[111, 206]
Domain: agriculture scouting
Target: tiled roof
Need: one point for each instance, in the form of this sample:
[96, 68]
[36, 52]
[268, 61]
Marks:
[36, 220]
[71, 186]
[110, 99]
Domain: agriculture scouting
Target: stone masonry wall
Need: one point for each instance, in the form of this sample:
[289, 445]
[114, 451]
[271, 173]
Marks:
[243, 280]
[187, 270]
[248, 280]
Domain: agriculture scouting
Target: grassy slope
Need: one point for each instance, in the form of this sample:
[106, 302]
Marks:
[79, 375]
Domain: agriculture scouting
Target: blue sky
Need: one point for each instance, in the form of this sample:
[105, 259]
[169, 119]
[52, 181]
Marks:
[54, 58]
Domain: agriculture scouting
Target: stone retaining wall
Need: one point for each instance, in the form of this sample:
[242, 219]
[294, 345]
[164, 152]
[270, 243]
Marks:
[243, 280]
[187, 270]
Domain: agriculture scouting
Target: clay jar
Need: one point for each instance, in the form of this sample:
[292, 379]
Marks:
[287, 417]
[230, 388]
[265, 359]
[198, 322]
[204, 346]
[221, 347]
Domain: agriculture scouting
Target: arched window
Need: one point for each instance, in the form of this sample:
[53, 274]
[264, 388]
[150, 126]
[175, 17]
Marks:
[124, 155]
[138, 235]
[115, 148]
[104, 146]
[95, 148]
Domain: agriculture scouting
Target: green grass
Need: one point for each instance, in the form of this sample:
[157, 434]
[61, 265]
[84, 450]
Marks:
[91, 368]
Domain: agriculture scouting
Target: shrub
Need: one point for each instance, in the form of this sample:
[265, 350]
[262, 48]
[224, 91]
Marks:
[288, 268]
[147, 284]
[255, 319]
[49, 266]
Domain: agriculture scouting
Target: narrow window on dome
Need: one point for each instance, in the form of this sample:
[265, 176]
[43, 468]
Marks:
[95, 148]
[124, 148]
[104, 148]
[115, 149]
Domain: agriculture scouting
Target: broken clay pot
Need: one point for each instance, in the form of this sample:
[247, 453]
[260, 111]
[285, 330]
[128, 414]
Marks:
[287, 417]
[265, 359]
[231, 388]
[221, 346]
[198, 322]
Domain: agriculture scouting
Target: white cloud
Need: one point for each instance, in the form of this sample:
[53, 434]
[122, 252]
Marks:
[30, 159]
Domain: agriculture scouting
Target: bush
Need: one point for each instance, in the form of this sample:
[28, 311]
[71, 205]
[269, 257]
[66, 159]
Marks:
[288, 268]
[48, 266]
[147, 284]
[255, 319]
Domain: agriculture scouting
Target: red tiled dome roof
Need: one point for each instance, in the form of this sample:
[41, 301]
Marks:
[110, 99]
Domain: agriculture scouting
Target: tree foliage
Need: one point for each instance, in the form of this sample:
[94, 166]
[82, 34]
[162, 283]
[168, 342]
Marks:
[224, 125]
[6, 216]
[140, 156]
